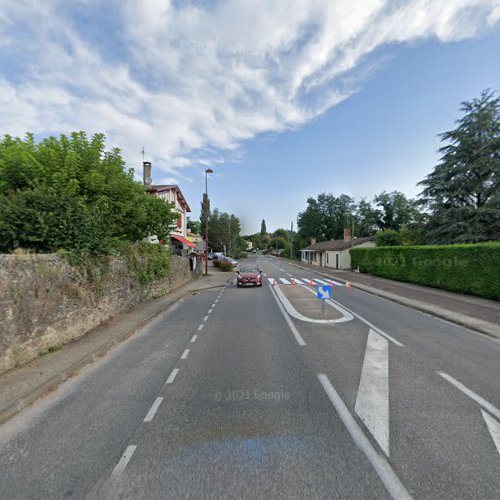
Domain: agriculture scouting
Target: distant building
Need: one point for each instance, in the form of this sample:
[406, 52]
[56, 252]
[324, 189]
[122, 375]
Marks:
[334, 253]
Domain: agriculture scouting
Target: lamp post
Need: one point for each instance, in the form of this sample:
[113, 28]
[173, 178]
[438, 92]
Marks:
[207, 171]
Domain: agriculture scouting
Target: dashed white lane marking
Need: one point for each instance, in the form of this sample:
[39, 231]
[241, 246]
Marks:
[288, 274]
[193, 340]
[205, 318]
[294, 330]
[493, 427]
[210, 310]
[200, 327]
[171, 377]
[372, 402]
[152, 411]
[478, 399]
[185, 354]
[284, 281]
[124, 460]
[391, 481]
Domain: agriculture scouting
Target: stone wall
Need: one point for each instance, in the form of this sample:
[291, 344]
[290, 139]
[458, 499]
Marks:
[45, 303]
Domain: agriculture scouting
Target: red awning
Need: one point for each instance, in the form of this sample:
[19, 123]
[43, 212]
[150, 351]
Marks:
[184, 240]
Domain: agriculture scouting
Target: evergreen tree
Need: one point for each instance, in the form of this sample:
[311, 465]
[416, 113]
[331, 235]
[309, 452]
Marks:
[263, 230]
[463, 192]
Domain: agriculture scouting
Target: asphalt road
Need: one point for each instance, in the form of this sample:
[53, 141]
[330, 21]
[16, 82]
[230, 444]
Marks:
[228, 395]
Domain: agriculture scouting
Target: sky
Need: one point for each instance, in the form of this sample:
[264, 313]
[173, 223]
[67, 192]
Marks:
[283, 100]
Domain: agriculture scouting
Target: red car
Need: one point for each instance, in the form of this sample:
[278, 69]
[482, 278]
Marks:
[249, 275]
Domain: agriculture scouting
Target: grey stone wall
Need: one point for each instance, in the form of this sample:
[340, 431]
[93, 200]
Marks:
[45, 303]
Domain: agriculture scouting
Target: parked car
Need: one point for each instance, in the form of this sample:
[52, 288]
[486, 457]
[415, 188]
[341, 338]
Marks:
[217, 255]
[210, 256]
[249, 275]
[233, 262]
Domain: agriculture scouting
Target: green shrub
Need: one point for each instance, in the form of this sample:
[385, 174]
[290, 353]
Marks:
[217, 263]
[465, 268]
[387, 238]
[225, 266]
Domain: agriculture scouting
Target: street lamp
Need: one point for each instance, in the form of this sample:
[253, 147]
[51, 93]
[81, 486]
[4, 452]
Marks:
[207, 171]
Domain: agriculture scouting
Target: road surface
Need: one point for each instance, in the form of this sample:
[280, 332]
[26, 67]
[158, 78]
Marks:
[229, 395]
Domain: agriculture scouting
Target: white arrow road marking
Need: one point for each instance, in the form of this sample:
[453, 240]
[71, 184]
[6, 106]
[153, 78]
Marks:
[284, 281]
[372, 403]
[493, 427]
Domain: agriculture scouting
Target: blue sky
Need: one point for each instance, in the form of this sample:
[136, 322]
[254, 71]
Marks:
[283, 99]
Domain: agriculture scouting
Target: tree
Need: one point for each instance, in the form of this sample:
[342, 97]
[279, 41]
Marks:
[462, 193]
[325, 217]
[263, 230]
[70, 193]
[205, 211]
[194, 226]
[396, 210]
[367, 219]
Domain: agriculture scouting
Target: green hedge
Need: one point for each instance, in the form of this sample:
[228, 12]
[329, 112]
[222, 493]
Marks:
[469, 268]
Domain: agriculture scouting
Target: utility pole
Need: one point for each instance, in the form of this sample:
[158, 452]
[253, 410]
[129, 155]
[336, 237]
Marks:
[291, 241]
[207, 171]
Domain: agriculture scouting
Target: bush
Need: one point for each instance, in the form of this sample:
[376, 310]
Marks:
[216, 263]
[225, 266]
[387, 238]
[465, 268]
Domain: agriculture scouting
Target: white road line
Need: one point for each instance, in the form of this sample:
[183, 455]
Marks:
[288, 274]
[321, 281]
[205, 318]
[371, 325]
[185, 354]
[493, 427]
[294, 330]
[346, 316]
[213, 305]
[478, 399]
[171, 377]
[298, 282]
[152, 411]
[282, 270]
[284, 281]
[200, 327]
[391, 481]
[193, 340]
[372, 402]
[210, 311]
[124, 460]
[271, 281]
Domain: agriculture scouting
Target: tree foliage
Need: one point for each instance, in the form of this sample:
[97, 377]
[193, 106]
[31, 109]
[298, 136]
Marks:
[70, 193]
[463, 191]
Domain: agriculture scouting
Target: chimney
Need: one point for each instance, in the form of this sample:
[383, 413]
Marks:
[313, 241]
[347, 234]
[146, 173]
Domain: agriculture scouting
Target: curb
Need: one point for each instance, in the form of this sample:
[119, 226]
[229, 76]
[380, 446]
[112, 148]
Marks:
[491, 331]
[53, 383]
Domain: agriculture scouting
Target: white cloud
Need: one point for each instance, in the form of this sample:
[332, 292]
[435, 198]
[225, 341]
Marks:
[191, 81]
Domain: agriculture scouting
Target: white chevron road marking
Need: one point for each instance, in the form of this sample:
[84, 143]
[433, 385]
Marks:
[372, 403]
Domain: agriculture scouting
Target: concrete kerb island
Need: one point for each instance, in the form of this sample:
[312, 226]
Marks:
[21, 386]
[467, 321]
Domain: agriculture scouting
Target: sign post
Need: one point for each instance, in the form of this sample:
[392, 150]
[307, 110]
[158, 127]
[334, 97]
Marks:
[324, 292]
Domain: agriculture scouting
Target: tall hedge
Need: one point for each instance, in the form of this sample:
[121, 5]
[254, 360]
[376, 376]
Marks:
[468, 268]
